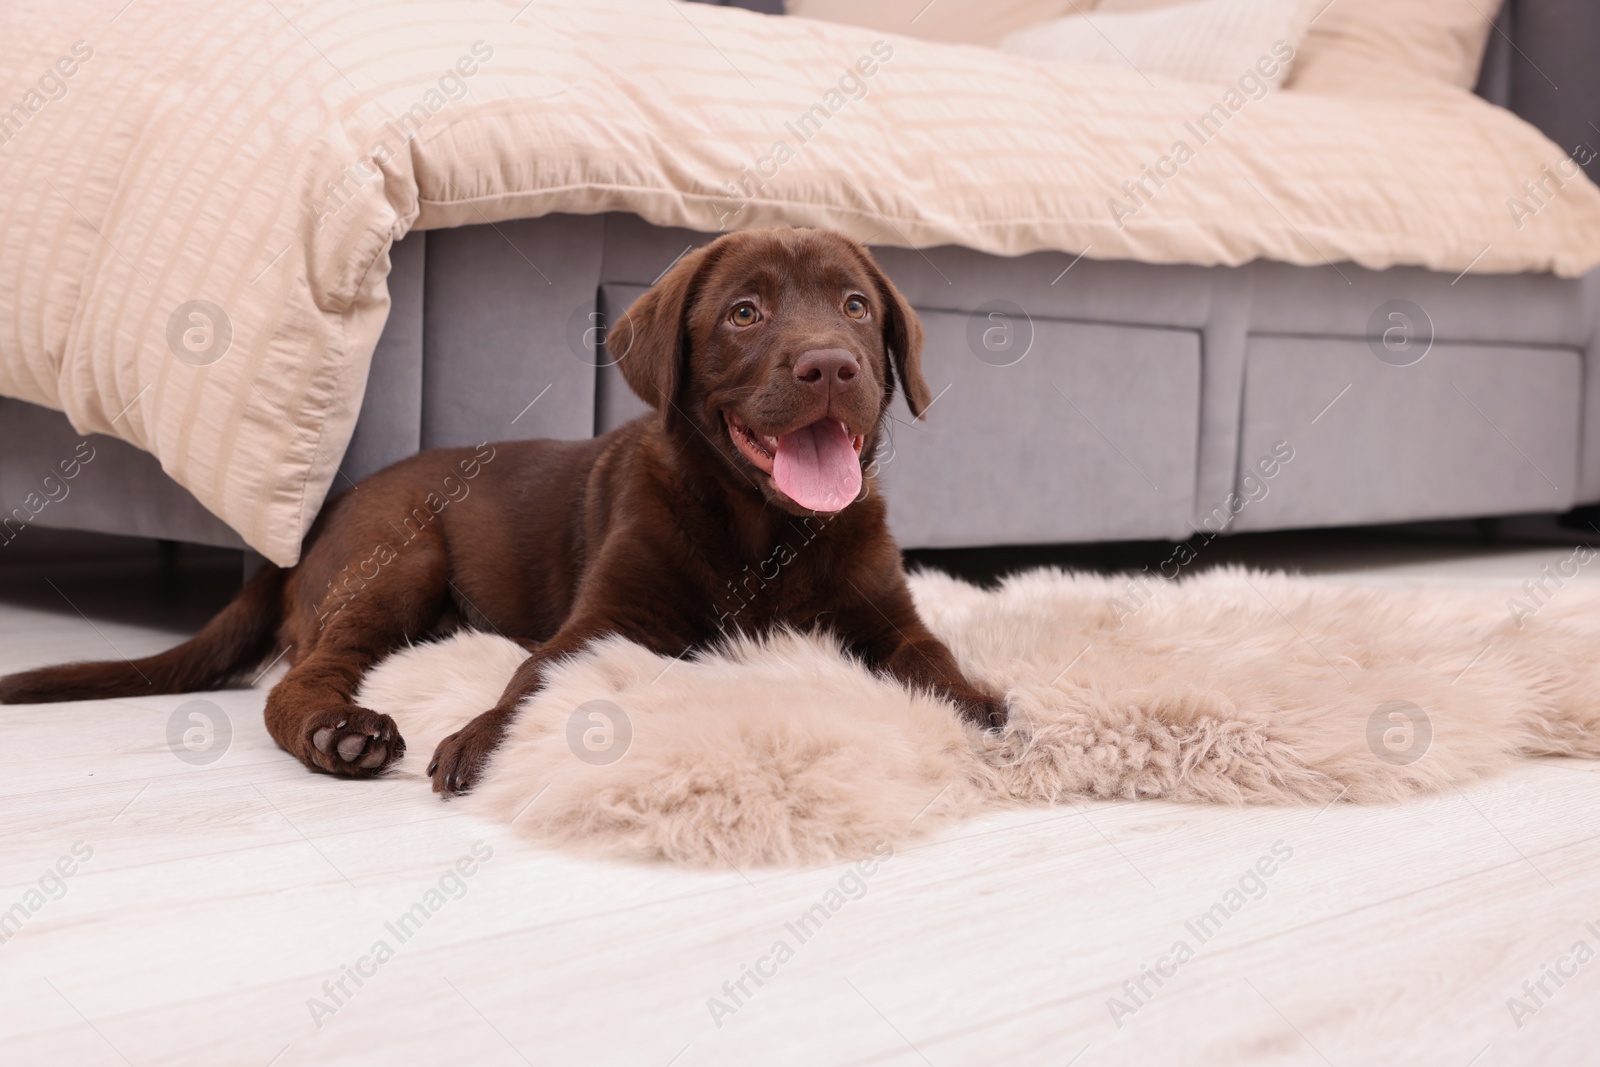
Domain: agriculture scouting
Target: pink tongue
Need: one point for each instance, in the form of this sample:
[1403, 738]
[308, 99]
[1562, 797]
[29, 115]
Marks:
[817, 466]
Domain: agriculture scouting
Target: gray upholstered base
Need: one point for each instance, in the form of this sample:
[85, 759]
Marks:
[1077, 400]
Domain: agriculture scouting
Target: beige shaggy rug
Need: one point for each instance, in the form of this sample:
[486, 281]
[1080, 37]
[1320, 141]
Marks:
[1231, 686]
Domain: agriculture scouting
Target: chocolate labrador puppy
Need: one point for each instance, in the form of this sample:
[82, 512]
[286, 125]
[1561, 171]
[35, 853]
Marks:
[745, 502]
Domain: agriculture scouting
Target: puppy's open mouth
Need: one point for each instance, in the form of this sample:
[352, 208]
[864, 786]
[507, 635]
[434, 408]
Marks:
[817, 466]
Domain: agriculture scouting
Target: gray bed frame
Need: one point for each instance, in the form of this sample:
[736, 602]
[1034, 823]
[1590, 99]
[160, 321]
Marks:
[1078, 400]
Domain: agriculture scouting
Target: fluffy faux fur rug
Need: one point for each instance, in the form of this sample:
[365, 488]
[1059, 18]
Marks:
[1229, 686]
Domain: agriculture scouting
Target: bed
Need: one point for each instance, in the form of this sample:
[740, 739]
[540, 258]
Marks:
[212, 282]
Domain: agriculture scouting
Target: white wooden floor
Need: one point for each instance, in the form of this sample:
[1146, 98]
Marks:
[215, 902]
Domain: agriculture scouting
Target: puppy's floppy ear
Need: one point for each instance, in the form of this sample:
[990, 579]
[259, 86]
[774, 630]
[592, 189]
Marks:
[648, 341]
[902, 336]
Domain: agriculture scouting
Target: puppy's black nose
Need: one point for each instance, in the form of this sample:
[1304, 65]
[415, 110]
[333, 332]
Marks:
[826, 368]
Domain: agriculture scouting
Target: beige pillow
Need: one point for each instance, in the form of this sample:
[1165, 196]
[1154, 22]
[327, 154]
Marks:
[1207, 40]
[982, 22]
[1374, 47]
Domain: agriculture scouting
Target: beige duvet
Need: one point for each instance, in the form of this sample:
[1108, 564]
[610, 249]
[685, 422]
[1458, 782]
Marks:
[197, 199]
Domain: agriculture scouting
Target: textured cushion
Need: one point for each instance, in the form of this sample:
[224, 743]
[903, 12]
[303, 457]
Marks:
[1375, 47]
[1210, 40]
[982, 22]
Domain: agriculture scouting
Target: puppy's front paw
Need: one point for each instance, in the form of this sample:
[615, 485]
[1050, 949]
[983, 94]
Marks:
[981, 709]
[352, 741]
[461, 756]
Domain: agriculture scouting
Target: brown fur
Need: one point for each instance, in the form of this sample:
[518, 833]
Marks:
[661, 531]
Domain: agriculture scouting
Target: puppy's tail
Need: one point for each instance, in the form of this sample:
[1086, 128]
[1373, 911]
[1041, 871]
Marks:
[239, 637]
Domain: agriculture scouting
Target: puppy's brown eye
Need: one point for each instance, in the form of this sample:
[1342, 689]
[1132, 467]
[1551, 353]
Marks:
[744, 315]
[855, 307]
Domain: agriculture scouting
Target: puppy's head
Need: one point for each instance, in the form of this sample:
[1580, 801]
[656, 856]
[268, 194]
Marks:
[782, 349]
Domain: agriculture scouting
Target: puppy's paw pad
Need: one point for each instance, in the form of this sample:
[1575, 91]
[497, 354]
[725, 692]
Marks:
[353, 741]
